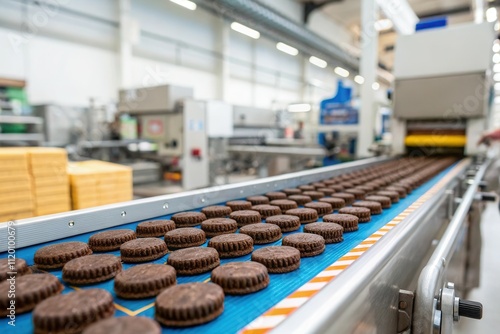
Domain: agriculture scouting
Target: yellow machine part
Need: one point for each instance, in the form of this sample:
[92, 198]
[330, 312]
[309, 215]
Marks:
[436, 140]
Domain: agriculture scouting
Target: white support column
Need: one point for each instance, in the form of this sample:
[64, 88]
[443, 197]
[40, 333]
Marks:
[368, 70]
[479, 8]
[224, 70]
[125, 53]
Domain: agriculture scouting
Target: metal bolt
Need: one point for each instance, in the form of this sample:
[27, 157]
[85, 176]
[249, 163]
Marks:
[165, 206]
[123, 213]
[71, 223]
[403, 305]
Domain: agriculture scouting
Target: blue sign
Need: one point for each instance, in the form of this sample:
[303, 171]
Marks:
[338, 110]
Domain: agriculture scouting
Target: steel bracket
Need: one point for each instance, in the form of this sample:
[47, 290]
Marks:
[405, 311]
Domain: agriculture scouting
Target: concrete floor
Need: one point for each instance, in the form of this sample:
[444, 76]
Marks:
[489, 292]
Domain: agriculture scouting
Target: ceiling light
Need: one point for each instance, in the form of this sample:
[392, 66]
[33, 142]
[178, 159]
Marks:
[496, 47]
[287, 49]
[497, 86]
[341, 71]
[242, 29]
[491, 14]
[496, 58]
[383, 25]
[318, 62]
[375, 86]
[359, 79]
[496, 68]
[185, 3]
[299, 107]
[496, 77]
[401, 14]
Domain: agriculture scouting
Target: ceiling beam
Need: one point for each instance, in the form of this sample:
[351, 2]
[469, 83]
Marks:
[310, 6]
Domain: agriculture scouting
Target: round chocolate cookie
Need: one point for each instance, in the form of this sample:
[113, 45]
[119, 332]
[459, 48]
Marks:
[358, 193]
[267, 210]
[305, 215]
[323, 208]
[284, 204]
[144, 280]
[278, 259]
[19, 266]
[241, 278]
[327, 191]
[143, 250]
[306, 187]
[110, 240]
[91, 269]
[375, 207]
[216, 211]
[307, 243]
[331, 232]
[273, 195]
[335, 202]
[188, 219]
[347, 184]
[401, 190]
[232, 245]
[292, 191]
[256, 200]
[300, 199]
[318, 185]
[362, 213]
[73, 312]
[315, 195]
[336, 187]
[29, 291]
[217, 226]
[239, 205]
[189, 304]
[194, 260]
[185, 237]
[384, 201]
[287, 223]
[262, 233]
[367, 189]
[57, 255]
[393, 195]
[154, 228]
[348, 198]
[348, 222]
[124, 325]
[246, 217]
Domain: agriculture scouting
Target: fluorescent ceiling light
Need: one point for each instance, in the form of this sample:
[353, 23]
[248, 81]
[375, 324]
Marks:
[245, 30]
[359, 79]
[299, 107]
[496, 77]
[401, 15]
[496, 68]
[491, 14]
[497, 86]
[496, 58]
[287, 49]
[185, 3]
[496, 47]
[375, 86]
[318, 62]
[497, 99]
[316, 82]
[341, 71]
[383, 25]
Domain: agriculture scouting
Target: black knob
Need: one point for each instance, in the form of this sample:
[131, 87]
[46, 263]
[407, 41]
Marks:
[470, 309]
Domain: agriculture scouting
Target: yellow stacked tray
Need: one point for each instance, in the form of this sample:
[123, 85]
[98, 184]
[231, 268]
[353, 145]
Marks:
[16, 199]
[96, 183]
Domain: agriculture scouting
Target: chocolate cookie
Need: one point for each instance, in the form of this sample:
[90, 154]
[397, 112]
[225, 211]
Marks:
[401, 190]
[347, 184]
[143, 250]
[73, 312]
[110, 240]
[232, 245]
[278, 259]
[273, 195]
[327, 191]
[300, 199]
[365, 188]
[194, 260]
[331, 232]
[124, 325]
[323, 208]
[267, 210]
[292, 191]
[246, 217]
[185, 237]
[256, 200]
[393, 195]
[91, 269]
[56, 256]
[306, 187]
[318, 185]
[154, 228]
[29, 291]
[189, 304]
[358, 193]
[188, 219]
[307, 243]
[217, 226]
[348, 198]
[286, 223]
[144, 280]
[336, 187]
[375, 207]
[216, 211]
[335, 202]
[239, 205]
[315, 195]
[362, 213]
[384, 201]
[262, 233]
[241, 278]
[348, 222]
[305, 215]
[17, 266]
[284, 204]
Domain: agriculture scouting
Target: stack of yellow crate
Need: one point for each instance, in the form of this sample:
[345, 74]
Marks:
[96, 183]
[16, 199]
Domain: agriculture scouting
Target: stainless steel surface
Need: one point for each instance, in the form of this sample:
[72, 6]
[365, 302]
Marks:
[278, 150]
[446, 304]
[58, 226]
[148, 100]
[432, 276]
[9, 119]
[25, 137]
[364, 298]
